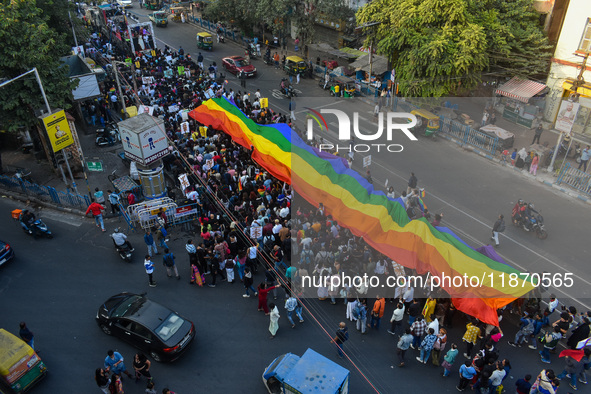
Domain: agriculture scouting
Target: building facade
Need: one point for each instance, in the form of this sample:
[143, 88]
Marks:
[571, 26]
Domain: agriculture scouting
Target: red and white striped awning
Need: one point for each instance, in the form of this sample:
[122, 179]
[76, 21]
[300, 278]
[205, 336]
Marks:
[520, 89]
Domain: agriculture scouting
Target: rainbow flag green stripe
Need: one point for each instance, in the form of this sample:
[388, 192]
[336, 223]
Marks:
[381, 221]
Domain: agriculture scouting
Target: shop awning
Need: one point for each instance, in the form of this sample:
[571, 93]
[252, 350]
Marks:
[520, 89]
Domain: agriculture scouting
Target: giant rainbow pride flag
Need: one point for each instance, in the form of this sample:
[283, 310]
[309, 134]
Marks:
[381, 221]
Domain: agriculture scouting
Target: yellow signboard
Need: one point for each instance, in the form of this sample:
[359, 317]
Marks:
[264, 102]
[58, 130]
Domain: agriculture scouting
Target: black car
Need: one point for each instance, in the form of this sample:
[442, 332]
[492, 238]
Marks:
[6, 252]
[147, 325]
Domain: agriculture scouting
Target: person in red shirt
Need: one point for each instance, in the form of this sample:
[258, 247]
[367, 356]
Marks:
[97, 211]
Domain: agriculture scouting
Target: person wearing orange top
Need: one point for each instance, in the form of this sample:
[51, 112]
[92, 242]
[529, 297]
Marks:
[378, 311]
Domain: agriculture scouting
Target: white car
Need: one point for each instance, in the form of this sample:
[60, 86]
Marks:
[124, 3]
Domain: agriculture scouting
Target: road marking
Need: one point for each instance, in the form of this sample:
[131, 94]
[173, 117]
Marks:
[63, 217]
[475, 240]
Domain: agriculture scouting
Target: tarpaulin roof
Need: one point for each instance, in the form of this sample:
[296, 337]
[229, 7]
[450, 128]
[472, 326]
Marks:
[520, 89]
[379, 64]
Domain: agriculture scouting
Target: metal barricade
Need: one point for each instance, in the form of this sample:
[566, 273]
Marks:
[146, 213]
[575, 178]
[467, 135]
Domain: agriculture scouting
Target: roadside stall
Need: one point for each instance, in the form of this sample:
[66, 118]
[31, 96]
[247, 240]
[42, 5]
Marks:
[506, 139]
[518, 102]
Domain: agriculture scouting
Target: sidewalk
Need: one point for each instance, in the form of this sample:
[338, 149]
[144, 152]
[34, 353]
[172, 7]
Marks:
[43, 174]
[523, 139]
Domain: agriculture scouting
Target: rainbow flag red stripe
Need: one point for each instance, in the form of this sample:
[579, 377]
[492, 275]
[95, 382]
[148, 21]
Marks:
[381, 221]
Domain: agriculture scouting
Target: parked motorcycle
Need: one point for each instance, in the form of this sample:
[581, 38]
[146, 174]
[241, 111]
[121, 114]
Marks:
[107, 136]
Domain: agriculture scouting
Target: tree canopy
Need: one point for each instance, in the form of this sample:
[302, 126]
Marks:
[439, 46]
[27, 41]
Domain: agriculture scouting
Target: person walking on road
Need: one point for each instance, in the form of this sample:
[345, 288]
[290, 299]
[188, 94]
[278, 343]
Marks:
[242, 77]
[141, 365]
[149, 240]
[97, 213]
[114, 202]
[102, 380]
[114, 364]
[292, 107]
[274, 320]
[263, 291]
[26, 335]
[412, 183]
[498, 227]
[149, 266]
[169, 263]
[342, 335]
[99, 196]
[115, 386]
[537, 135]
[161, 234]
[403, 345]
[585, 155]
[291, 305]
[449, 359]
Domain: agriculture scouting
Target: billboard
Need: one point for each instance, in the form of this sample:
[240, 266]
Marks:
[143, 138]
[58, 130]
[566, 116]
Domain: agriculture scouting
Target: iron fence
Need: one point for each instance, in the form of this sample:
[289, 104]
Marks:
[575, 178]
[44, 193]
[467, 135]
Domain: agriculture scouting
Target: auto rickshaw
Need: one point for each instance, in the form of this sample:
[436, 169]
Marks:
[295, 65]
[153, 4]
[426, 121]
[20, 367]
[346, 87]
[205, 41]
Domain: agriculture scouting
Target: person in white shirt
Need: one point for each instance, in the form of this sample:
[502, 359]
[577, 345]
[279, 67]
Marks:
[434, 324]
[277, 227]
[284, 212]
[396, 320]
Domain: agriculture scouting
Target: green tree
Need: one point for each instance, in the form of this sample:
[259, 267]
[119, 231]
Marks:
[438, 46]
[435, 46]
[26, 41]
[519, 45]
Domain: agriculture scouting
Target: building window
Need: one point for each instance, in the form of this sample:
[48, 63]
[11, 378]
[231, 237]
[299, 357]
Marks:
[585, 44]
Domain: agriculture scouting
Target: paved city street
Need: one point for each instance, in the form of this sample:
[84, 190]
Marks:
[57, 285]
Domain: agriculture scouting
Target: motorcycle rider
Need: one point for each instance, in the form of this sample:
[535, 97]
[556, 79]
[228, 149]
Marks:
[517, 212]
[284, 86]
[528, 216]
[268, 55]
[120, 239]
[27, 220]
[107, 134]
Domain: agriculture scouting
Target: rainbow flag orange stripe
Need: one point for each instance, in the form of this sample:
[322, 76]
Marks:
[381, 221]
